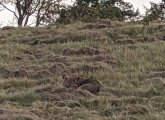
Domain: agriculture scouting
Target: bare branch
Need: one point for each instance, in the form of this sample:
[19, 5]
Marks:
[9, 10]
[43, 10]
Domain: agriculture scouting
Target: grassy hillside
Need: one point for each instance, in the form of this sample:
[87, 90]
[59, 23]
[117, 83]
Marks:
[126, 58]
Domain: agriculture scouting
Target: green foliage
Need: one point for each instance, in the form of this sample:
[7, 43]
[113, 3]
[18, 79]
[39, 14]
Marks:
[110, 12]
[91, 10]
[155, 12]
[134, 32]
[25, 99]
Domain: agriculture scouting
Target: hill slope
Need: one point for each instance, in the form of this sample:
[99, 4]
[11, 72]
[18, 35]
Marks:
[127, 59]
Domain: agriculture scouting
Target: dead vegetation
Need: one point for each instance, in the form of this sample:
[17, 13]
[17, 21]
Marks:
[55, 93]
[126, 59]
[85, 69]
[104, 23]
[82, 51]
[158, 74]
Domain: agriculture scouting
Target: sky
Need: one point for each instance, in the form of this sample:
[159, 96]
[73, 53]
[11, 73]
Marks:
[6, 18]
[141, 3]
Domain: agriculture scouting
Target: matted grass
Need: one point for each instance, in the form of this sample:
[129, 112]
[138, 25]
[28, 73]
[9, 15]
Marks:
[128, 60]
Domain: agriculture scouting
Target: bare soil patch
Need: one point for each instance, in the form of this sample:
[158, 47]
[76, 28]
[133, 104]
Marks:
[42, 74]
[11, 113]
[84, 68]
[54, 58]
[158, 74]
[21, 73]
[57, 68]
[124, 41]
[55, 93]
[82, 51]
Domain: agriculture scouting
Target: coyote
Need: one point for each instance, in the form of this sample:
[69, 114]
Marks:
[88, 84]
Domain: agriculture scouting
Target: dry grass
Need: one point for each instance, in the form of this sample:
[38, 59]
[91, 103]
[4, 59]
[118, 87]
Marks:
[127, 59]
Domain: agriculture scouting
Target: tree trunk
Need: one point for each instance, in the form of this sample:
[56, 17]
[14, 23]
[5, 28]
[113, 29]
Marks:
[26, 20]
[20, 21]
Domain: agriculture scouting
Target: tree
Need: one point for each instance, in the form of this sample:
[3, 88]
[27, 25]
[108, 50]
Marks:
[42, 10]
[1, 8]
[117, 9]
[156, 11]
[91, 10]
[162, 7]
[47, 11]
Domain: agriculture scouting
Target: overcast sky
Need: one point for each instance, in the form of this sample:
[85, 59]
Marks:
[141, 3]
[6, 17]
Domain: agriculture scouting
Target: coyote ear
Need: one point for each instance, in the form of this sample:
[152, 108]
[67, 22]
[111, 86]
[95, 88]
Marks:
[78, 79]
[64, 76]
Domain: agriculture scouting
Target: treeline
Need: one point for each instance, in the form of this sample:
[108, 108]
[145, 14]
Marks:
[91, 10]
[55, 11]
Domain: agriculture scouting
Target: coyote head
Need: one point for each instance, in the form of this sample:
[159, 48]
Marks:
[70, 82]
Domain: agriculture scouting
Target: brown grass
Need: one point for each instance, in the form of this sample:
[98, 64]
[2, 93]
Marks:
[128, 59]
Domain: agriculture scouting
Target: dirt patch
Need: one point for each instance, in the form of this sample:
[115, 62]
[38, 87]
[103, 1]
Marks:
[8, 28]
[18, 58]
[124, 41]
[27, 52]
[110, 23]
[163, 38]
[104, 40]
[95, 26]
[113, 63]
[2, 100]
[24, 57]
[36, 42]
[84, 69]
[5, 73]
[82, 51]
[17, 114]
[146, 39]
[132, 47]
[35, 53]
[104, 23]
[39, 55]
[42, 74]
[57, 68]
[156, 81]
[69, 36]
[97, 58]
[55, 93]
[136, 110]
[32, 67]
[158, 74]
[21, 73]
[55, 58]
